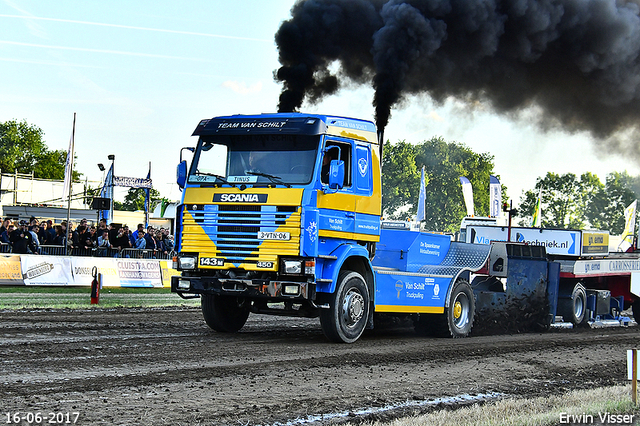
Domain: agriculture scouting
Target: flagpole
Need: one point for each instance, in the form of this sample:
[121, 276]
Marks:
[146, 200]
[70, 164]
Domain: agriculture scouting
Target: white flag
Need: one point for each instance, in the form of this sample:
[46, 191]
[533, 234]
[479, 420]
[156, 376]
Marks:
[467, 193]
[68, 167]
[495, 196]
[420, 215]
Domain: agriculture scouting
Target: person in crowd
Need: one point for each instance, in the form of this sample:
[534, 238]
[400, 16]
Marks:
[33, 229]
[74, 236]
[70, 241]
[83, 232]
[160, 246]
[141, 242]
[59, 239]
[121, 241]
[102, 225]
[113, 232]
[87, 242]
[150, 238]
[5, 225]
[4, 237]
[21, 239]
[138, 229]
[43, 234]
[52, 231]
[94, 236]
[103, 240]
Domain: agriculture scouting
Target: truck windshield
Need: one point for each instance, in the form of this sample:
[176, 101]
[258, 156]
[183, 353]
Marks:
[263, 159]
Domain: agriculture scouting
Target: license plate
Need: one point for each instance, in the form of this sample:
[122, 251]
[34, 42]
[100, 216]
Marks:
[278, 236]
[211, 261]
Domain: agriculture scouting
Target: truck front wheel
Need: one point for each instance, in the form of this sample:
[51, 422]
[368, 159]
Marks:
[348, 312]
[224, 313]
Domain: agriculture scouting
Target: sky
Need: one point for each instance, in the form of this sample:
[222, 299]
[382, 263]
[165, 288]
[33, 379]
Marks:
[141, 74]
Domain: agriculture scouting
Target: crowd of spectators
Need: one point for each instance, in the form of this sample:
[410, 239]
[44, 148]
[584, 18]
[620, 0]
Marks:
[34, 236]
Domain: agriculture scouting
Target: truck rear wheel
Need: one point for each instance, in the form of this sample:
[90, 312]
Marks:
[348, 312]
[573, 307]
[224, 313]
[457, 319]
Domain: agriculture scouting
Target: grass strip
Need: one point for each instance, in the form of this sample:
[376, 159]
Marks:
[586, 406]
[15, 298]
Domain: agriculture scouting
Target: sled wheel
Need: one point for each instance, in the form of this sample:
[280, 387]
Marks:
[574, 309]
[457, 319]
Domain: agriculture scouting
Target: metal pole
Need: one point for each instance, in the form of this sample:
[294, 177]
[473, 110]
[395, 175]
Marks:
[509, 229]
[113, 174]
[73, 141]
[634, 378]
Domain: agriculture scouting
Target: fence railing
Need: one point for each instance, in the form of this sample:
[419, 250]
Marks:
[97, 252]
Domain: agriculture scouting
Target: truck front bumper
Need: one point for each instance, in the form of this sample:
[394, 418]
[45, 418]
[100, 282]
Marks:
[253, 288]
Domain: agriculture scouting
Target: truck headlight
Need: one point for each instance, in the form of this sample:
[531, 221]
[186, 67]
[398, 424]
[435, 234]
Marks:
[293, 267]
[186, 263]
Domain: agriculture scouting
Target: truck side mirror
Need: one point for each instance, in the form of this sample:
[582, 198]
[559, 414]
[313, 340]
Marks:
[182, 174]
[336, 174]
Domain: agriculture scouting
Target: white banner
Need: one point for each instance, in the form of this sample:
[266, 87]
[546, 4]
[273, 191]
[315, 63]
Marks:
[467, 193]
[116, 272]
[46, 270]
[564, 242]
[495, 196]
[422, 197]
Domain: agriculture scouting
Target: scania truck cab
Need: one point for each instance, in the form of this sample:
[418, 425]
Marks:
[280, 215]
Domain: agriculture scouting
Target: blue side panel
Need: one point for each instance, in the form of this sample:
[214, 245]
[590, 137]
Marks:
[178, 230]
[368, 224]
[336, 220]
[409, 250]
[309, 240]
[364, 177]
[330, 268]
[411, 290]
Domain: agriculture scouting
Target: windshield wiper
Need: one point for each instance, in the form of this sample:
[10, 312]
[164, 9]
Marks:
[222, 178]
[272, 178]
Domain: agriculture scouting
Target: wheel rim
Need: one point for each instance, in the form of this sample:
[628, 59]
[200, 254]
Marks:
[352, 308]
[578, 306]
[461, 308]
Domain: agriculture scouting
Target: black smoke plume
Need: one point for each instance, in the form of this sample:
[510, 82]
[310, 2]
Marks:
[576, 61]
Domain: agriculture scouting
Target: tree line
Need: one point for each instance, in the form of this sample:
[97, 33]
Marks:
[567, 201]
[23, 150]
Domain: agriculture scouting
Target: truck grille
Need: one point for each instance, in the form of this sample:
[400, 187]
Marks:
[231, 231]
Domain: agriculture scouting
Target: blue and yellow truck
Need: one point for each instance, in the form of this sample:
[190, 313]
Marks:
[281, 215]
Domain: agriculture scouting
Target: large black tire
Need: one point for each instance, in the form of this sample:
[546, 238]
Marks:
[574, 308]
[224, 313]
[348, 312]
[457, 319]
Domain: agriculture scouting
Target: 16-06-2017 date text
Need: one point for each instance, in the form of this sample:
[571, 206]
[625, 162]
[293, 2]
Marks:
[37, 417]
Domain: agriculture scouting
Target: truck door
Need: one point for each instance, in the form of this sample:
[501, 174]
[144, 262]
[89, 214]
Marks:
[367, 223]
[337, 209]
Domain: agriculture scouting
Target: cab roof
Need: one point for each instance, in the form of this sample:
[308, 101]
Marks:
[289, 123]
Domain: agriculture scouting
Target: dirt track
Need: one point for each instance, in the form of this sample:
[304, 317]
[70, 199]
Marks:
[164, 366]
